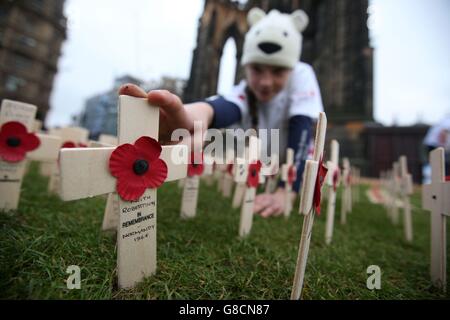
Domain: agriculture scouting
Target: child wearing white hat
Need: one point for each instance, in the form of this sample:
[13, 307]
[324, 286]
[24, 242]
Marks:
[279, 92]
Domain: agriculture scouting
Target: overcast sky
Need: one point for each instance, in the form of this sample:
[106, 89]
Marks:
[152, 38]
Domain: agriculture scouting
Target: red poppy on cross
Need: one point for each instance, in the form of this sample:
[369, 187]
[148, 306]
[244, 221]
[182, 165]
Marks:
[16, 141]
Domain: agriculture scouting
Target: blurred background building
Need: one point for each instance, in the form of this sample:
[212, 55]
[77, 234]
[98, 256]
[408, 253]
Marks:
[31, 35]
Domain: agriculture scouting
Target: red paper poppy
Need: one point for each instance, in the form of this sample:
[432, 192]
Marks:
[194, 167]
[253, 174]
[137, 168]
[230, 169]
[16, 141]
[292, 174]
[321, 173]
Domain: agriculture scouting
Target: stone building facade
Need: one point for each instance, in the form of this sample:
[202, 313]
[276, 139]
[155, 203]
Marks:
[31, 36]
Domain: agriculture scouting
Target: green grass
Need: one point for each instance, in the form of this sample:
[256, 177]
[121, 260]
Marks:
[203, 258]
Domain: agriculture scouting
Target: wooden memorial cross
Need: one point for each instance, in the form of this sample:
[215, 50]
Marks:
[436, 198]
[346, 200]
[332, 181]
[208, 170]
[219, 172]
[310, 203]
[406, 190]
[71, 137]
[252, 177]
[228, 175]
[240, 178]
[288, 176]
[191, 185]
[272, 178]
[134, 169]
[18, 144]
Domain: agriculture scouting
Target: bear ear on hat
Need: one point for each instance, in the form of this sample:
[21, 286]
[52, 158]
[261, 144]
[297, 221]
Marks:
[254, 15]
[300, 19]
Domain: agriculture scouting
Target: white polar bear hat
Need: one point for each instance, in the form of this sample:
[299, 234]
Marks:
[274, 39]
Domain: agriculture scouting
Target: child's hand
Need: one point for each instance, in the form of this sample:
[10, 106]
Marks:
[173, 114]
[270, 204]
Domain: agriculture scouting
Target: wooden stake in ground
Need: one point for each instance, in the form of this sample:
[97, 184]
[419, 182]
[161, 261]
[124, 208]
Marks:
[406, 190]
[240, 178]
[134, 169]
[252, 178]
[313, 177]
[346, 200]
[288, 176]
[208, 171]
[333, 183]
[272, 178]
[436, 198]
[219, 172]
[228, 176]
[191, 185]
[19, 144]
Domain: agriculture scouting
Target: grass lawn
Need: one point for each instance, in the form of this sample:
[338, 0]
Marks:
[203, 258]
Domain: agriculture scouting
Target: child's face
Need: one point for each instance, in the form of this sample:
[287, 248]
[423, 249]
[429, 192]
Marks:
[266, 81]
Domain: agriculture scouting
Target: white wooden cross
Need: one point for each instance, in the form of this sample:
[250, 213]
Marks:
[219, 172]
[240, 178]
[436, 198]
[310, 177]
[85, 173]
[74, 135]
[346, 200]
[406, 190]
[191, 186]
[332, 181]
[272, 178]
[246, 220]
[228, 177]
[288, 171]
[11, 173]
[208, 171]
